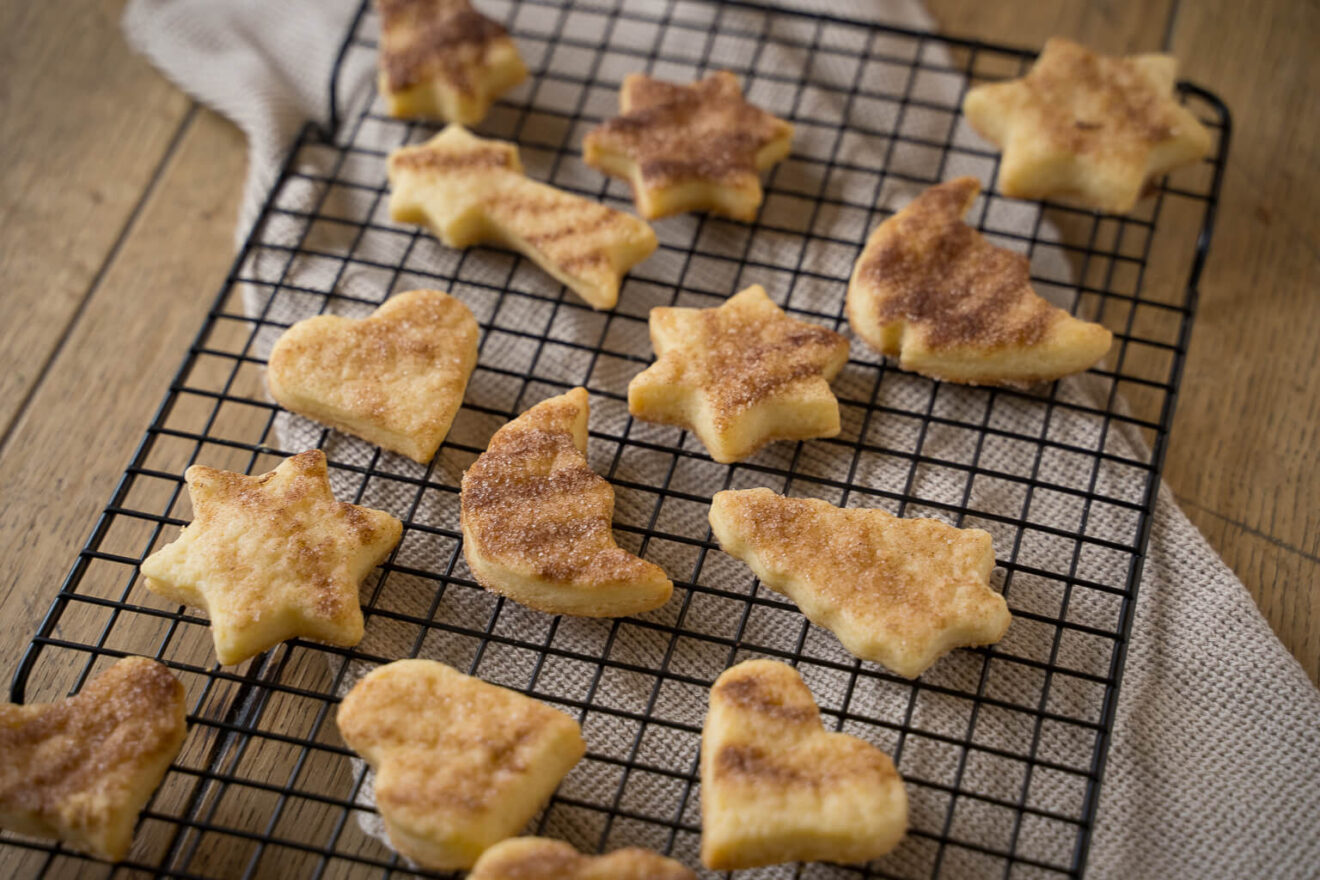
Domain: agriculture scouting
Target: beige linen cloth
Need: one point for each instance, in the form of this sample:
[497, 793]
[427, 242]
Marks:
[1214, 769]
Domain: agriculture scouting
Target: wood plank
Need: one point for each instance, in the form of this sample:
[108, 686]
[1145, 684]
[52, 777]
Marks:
[1115, 27]
[1245, 447]
[85, 125]
[72, 443]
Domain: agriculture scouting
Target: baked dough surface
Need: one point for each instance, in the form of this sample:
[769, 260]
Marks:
[81, 769]
[777, 787]
[460, 764]
[538, 858]
[931, 291]
[1086, 126]
[272, 557]
[696, 147]
[441, 59]
[395, 378]
[537, 520]
[470, 190]
[740, 376]
[900, 592]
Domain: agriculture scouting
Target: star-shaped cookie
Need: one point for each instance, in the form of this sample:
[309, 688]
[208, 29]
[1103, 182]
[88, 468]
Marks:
[697, 147]
[536, 520]
[901, 592]
[931, 291]
[740, 375]
[539, 858]
[777, 787]
[395, 378]
[460, 764]
[83, 768]
[441, 59]
[1088, 126]
[272, 557]
[469, 190]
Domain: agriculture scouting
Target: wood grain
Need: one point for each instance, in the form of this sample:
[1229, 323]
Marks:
[68, 448]
[1246, 441]
[85, 125]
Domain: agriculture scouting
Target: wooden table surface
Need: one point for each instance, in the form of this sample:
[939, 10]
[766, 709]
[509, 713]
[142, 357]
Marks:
[117, 211]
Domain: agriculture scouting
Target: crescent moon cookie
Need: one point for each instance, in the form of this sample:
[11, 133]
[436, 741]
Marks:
[82, 769]
[460, 764]
[740, 375]
[901, 592]
[697, 147]
[539, 858]
[272, 557]
[1088, 126]
[470, 190]
[441, 59]
[536, 520]
[777, 787]
[395, 378]
[931, 291]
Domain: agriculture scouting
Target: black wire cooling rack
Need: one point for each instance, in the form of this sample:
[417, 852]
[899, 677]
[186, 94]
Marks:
[1002, 749]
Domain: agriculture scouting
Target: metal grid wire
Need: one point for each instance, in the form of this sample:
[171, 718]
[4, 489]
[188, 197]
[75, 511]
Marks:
[1002, 748]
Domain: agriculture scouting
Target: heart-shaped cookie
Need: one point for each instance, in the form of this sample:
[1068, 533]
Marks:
[460, 764]
[777, 787]
[81, 769]
[395, 378]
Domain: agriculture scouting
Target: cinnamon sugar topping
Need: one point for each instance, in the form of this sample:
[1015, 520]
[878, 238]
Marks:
[703, 131]
[422, 39]
[689, 147]
[533, 510]
[83, 767]
[722, 371]
[942, 275]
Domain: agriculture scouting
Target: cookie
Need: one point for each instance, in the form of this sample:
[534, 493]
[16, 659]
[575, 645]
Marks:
[697, 147]
[539, 858]
[395, 378]
[901, 592]
[1087, 126]
[460, 764]
[536, 520]
[470, 190]
[272, 557]
[931, 291]
[740, 376]
[441, 59]
[777, 787]
[81, 770]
